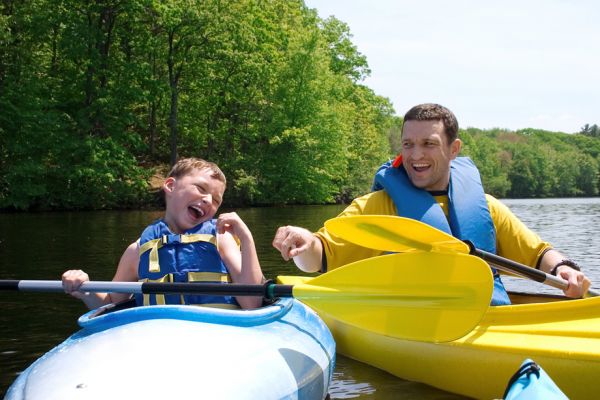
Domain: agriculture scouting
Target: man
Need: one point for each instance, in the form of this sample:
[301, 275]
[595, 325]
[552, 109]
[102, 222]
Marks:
[429, 183]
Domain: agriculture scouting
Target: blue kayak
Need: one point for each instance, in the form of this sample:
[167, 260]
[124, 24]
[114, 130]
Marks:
[281, 351]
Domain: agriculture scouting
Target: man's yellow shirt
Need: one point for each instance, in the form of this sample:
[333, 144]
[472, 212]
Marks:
[513, 239]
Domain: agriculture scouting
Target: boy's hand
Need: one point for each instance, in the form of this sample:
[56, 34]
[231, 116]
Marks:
[72, 280]
[232, 223]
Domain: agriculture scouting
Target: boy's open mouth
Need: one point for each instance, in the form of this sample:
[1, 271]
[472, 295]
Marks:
[196, 212]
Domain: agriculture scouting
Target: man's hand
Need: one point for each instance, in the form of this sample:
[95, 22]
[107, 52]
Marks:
[578, 282]
[292, 241]
[301, 245]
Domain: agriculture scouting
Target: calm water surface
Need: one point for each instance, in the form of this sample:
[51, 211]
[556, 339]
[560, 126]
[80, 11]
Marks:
[42, 246]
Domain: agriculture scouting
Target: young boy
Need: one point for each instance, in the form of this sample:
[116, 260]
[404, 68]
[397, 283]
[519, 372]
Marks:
[186, 245]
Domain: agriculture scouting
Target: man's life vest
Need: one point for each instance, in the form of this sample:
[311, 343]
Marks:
[189, 257]
[468, 214]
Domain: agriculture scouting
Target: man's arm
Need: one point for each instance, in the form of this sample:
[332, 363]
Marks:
[553, 262]
[517, 242]
[322, 250]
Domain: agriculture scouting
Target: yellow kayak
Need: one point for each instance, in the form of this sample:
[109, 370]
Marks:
[562, 336]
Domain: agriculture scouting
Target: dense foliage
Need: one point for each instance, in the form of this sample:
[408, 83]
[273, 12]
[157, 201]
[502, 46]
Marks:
[534, 163]
[91, 92]
[95, 95]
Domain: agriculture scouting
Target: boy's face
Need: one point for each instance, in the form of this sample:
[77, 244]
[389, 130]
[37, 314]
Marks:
[192, 199]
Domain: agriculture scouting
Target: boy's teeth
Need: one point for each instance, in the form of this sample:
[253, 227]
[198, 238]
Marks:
[198, 211]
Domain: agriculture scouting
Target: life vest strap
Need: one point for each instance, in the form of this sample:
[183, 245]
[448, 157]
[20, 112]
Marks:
[160, 298]
[155, 244]
[192, 277]
[208, 277]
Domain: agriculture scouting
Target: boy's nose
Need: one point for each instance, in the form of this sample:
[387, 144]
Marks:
[207, 198]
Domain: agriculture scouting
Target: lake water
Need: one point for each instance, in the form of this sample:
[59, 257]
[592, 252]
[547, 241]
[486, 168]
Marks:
[43, 245]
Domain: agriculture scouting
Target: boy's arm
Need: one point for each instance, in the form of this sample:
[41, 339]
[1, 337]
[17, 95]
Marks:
[242, 262]
[126, 271]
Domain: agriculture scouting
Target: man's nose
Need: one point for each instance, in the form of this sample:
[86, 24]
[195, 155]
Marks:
[417, 152]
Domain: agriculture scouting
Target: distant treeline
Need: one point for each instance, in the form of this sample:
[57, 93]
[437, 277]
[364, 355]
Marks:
[534, 163]
[95, 95]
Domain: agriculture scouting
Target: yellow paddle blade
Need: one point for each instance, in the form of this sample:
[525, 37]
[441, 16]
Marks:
[421, 296]
[391, 233]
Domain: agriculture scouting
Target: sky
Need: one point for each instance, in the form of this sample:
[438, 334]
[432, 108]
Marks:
[509, 64]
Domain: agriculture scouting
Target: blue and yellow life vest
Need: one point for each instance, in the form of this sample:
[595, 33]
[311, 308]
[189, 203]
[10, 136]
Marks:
[468, 214]
[189, 257]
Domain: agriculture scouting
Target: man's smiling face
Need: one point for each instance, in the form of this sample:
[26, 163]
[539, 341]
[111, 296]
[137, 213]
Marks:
[426, 154]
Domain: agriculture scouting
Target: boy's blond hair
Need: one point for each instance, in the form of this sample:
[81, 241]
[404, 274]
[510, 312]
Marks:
[186, 165]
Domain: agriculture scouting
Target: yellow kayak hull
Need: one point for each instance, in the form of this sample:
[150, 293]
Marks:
[563, 337]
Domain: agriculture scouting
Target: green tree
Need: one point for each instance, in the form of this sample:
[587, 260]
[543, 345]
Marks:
[593, 130]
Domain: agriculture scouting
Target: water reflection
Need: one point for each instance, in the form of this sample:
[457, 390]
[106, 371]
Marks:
[353, 379]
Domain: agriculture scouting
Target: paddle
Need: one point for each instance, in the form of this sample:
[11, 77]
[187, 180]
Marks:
[393, 295]
[391, 233]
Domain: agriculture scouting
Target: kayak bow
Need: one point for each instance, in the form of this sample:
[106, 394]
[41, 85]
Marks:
[160, 352]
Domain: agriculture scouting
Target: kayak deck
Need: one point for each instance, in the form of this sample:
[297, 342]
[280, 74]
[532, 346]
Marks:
[280, 351]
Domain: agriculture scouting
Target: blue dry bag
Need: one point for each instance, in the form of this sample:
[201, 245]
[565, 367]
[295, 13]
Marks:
[531, 382]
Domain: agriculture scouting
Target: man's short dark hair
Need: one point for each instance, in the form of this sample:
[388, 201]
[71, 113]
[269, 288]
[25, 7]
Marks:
[435, 112]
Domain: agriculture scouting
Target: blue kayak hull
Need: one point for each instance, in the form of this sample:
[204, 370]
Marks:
[282, 351]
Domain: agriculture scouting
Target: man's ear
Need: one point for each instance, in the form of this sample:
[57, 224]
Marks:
[169, 185]
[455, 147]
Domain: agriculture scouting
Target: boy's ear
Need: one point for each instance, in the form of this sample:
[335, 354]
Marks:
[169, 184]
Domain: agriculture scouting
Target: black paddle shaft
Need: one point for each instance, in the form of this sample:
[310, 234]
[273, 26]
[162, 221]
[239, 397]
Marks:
[268, 290]
[534, 274]
[9, 285]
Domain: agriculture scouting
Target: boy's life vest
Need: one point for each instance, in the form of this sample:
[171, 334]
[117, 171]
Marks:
[189, 257]
[468, 214]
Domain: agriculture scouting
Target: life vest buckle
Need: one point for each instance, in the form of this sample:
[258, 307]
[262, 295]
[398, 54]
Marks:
[170, 239]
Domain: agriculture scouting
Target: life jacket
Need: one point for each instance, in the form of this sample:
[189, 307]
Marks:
[189, 257]
[468, 214]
